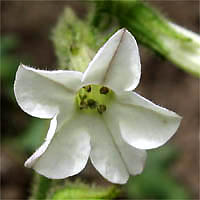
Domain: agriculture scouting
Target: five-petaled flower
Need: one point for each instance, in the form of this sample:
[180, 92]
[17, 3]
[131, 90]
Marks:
[95, 114]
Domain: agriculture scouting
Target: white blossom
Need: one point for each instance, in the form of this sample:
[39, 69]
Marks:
[95, 114]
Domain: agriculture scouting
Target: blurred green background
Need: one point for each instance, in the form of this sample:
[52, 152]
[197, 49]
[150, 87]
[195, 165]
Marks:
[172, 172]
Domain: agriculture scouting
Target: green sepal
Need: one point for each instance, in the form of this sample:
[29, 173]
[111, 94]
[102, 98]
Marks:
[79, 190]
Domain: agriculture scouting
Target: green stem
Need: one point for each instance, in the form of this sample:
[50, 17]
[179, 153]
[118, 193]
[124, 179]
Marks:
[174, 43]
[41, 187]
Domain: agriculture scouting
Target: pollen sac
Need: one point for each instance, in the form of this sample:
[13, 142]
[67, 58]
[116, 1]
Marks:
[101, 108]
[88, 88]
[91, 103]
[104, 90]
[94, 98]
[83, 105]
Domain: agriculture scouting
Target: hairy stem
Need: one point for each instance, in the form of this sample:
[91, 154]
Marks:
[172, 42]
[41, 187]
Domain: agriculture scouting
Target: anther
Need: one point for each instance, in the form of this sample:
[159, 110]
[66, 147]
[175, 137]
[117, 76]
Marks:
[104, 90]
[83, 105]
[101, 108]
[88, 88]
[91, 103]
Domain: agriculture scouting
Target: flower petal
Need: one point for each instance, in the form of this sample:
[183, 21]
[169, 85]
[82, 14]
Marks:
[133, 158]
[105, 155]
[30, 162]
[117, 63]
[143, 124]
[64, 154]
[40, 93]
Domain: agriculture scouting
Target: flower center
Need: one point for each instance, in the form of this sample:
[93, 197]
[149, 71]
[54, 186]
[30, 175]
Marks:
[94, 98]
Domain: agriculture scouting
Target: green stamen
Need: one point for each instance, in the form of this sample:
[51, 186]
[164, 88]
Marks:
[88, 88]
[94, 98]
[104, 90]
[91, 103]
[101, 109]
[83, 105]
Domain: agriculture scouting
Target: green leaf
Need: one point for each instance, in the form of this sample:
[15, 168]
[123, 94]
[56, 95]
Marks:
[156, 182]
[32, 137]
[9, 62]
[8, 42]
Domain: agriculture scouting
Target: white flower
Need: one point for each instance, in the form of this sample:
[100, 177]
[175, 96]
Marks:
[95, 114]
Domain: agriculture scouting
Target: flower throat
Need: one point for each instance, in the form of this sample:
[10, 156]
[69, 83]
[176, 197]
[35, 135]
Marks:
[94, 98]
